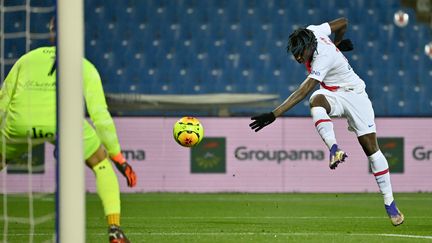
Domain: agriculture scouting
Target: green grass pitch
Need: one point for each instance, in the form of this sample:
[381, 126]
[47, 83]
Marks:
[283, 217]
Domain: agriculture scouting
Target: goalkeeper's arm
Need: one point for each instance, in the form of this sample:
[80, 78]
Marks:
[103, 122]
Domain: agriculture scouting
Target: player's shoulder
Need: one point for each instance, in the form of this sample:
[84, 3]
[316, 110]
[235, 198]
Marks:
[39, 52]
[89, 66]
[49, 50]
[324, 53]
[90, 71]
[322, 29]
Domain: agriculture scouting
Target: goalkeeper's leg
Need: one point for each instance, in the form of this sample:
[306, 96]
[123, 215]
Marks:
[109, 192]
[106, 182]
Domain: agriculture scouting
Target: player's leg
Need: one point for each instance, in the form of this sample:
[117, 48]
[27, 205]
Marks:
[324, 104]
[106, 182]
[380, 170]
[361, 120]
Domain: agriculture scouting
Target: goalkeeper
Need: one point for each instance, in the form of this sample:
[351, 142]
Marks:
[28, 111]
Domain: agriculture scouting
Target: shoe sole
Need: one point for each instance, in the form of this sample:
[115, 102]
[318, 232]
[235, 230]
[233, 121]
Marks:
[401, 222]
[337, 162]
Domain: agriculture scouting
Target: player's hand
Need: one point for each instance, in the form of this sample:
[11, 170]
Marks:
[345, 45]
[123, 166]
[261, 121]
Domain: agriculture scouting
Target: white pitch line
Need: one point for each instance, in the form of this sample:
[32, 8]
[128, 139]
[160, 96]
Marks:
[275, 234]
[264, 217]
[408, 236]
[253, 200]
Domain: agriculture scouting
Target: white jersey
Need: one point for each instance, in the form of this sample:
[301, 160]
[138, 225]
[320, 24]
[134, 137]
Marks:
[329, 65]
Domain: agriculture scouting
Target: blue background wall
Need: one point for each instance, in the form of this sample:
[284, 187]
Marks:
[213, 46]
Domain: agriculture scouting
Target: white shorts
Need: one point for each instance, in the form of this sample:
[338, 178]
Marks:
[355, 106]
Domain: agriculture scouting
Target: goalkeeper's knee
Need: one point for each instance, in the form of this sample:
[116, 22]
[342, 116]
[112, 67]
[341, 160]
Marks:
[98, 156]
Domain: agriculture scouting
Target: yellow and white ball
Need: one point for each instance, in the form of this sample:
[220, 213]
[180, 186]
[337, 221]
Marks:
[188, 131]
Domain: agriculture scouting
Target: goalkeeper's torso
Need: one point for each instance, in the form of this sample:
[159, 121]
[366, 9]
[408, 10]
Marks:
[32, 105]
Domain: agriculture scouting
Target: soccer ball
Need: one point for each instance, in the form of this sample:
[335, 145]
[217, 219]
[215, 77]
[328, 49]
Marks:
[188, 131]
[401, 18]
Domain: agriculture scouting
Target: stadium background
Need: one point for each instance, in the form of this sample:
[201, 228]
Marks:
[224, 61]
[216, 60]
[166, 59]
[160, 60]
[208, 47]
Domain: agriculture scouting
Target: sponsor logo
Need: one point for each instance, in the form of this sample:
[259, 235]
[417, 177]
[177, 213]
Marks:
[39, 133]
[134, 154]
[393, 150]
[313, 72]
[243, 153]
[35, 85]
[421, 153]
[209, 156]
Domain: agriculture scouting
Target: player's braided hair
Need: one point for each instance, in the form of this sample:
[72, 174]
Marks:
[300, 40]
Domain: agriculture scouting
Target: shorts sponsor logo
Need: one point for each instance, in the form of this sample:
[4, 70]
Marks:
[209, 156]
[393, 150]
[244, 154]
[39, 133]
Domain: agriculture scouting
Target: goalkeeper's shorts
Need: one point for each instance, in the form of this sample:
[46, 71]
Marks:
[15, 141]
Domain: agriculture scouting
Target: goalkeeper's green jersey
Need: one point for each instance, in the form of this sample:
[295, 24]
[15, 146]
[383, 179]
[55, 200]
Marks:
[28, 99]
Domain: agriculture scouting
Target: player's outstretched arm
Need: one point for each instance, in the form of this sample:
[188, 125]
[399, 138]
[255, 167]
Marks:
[298, 95]
[262, 120]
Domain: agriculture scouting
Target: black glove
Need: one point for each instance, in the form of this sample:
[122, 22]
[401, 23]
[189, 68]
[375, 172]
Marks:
[345, 45]
[261, 121]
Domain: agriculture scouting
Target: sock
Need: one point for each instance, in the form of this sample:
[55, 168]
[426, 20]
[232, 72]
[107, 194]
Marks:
[323, 125]
[108, 190]
[113, 219]
[381, 172]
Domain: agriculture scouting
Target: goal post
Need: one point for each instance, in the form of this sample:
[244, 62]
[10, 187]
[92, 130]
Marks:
[70, 114]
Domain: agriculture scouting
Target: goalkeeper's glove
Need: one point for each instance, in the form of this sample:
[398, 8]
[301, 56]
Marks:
[124, 168]
[261, 121]
[345, 45]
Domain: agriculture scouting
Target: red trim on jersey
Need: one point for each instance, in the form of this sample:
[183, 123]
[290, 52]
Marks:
[330, 88]
[381, 172]
[308, 66]
[322, 120]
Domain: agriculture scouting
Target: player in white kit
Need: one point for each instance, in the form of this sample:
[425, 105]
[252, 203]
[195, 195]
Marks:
[341, 94]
